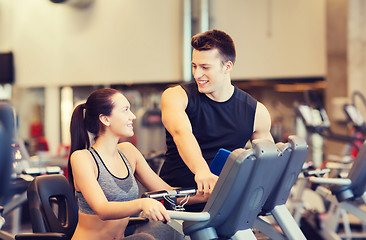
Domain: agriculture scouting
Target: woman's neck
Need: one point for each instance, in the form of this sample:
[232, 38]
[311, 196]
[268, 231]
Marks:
[107, 145]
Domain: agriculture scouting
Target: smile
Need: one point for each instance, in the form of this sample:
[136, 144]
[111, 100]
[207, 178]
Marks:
[201, 82]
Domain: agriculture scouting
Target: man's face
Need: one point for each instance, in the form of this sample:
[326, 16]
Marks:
[208, 70]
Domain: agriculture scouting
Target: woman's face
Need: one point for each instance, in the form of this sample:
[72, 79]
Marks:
[121, 118]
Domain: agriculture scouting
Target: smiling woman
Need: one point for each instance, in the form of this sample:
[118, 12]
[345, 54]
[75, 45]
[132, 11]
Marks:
[104, 173]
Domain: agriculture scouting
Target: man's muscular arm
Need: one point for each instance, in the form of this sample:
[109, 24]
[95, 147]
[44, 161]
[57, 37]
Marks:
[173, 104]
[262, 123]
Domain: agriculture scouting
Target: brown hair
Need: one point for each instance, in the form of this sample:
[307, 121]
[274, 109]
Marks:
[85, 118]
[215, 39]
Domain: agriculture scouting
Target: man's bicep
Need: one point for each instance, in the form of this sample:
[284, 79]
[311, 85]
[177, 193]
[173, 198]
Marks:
[262, 123]
[173, 104]
[176, 121]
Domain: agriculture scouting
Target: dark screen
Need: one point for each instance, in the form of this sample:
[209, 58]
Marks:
[6, 68]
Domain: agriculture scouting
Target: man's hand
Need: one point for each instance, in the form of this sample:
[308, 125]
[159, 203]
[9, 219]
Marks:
[206, 182]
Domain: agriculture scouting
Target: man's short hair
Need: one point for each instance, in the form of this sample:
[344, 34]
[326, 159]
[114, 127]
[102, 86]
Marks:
[215, 39]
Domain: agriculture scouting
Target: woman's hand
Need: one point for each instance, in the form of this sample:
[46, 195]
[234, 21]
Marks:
[154, 210]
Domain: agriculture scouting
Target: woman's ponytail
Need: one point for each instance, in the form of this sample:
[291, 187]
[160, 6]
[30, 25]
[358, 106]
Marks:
[79, 135]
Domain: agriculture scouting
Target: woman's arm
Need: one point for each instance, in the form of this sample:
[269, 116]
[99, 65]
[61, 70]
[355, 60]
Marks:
[85, 178]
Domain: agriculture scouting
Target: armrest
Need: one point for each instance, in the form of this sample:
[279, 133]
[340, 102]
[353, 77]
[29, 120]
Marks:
[41, 236]
[189, 216]
[336, 181]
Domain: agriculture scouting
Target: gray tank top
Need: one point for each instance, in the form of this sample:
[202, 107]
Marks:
[115, 189]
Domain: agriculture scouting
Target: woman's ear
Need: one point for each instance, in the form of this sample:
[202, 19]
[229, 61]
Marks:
[105, 120]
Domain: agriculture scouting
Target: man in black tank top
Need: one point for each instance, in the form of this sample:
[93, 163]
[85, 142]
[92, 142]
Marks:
[208, 114]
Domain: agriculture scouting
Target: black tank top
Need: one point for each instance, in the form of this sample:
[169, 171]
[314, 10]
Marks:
[215, 125]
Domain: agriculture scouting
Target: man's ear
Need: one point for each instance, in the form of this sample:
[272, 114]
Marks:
[228, 66]
[105, 120]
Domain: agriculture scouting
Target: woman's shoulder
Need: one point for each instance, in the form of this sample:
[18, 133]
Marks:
[132, 154]
[126, 146]
[81, 154]
[129, 151]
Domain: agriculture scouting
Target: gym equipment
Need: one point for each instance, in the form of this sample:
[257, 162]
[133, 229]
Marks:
[177, 193]
[21, 172]
[150, 132]
[234, 206]
[318, 127]
[244, 184]
[169, 198]
[322, 124]
[353, 114]
[40, 193]
[298, 149]
[7, 159]
[6, 156]
[357, 123]
[156, 161]
[295, 202]
[47, 193]
[13, 162]
[6, 136]
[219, 161]
[345, 196]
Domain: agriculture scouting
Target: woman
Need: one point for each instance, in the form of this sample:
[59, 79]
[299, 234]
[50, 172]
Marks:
[103, 175]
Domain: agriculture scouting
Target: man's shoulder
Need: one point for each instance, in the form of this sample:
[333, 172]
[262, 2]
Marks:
[184, 90]
[245, 97]
[189, 85]
[174, 96]
[173, 91]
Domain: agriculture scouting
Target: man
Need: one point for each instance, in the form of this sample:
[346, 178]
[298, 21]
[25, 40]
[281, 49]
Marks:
[208, 114]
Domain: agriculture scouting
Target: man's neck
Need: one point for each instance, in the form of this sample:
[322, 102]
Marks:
[222, 95]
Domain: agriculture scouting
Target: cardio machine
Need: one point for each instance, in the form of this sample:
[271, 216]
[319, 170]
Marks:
[346, 196]
[317, 124]
[17, 173]
[353, 114]
[339, 197]
[248, 185]
[316, 120]
[356, 120]
[6, 136]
